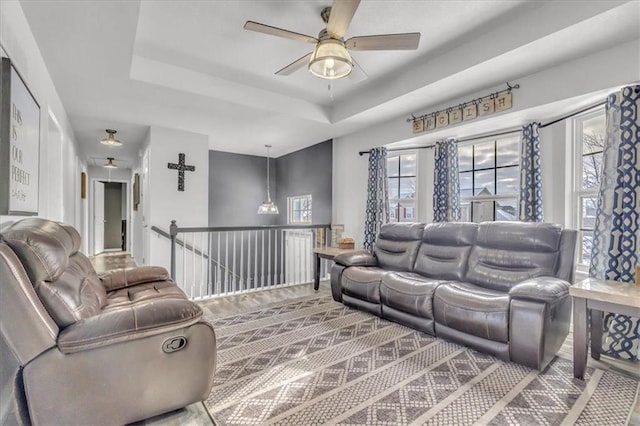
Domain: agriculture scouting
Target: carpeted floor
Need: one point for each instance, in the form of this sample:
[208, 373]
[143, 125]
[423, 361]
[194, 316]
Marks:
[314, 361]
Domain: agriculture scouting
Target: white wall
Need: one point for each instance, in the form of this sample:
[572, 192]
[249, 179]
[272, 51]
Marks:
[138, 219]
[189, 207]
[579, 77]
[60, 165]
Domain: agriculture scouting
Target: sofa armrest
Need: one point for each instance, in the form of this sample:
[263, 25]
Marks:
[541, 289]
[129, 323]
[356, 258]
[122, 278]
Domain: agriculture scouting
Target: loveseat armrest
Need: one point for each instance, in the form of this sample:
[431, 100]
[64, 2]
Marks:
[540, 289]
[129, 323]
[356, 258]
[122, 278]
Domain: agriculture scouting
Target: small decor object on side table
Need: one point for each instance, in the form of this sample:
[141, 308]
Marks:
[346, 243]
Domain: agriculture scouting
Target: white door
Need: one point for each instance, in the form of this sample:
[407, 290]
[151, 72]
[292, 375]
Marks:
[98, 217]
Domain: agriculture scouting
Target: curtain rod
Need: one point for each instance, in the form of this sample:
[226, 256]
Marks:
[507, 132]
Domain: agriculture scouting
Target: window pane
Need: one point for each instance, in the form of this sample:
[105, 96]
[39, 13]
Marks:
[593, 134]
[296, 216]
[407, 212]
[507, 209]
[484, 183]
[296, 203]
[484, 155]
[408, 187]
[508, 152]
[466, 184]
[482, 211]
[465, 158]
[587, 245]
[589, 206]
[393, 212]
[393, 166]
[465, 211]
[508, 180]
[393, 188]
[591, 170]
[408, 165]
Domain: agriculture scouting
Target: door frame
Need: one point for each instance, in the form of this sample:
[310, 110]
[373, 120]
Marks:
[127, 189]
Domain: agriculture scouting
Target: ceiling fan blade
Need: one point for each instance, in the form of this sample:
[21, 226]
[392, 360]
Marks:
[357, 73]
[278, 32]
[404, 41]
[342, 12]
[295, 66]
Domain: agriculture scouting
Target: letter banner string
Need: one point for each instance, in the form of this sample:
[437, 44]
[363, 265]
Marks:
[470, 110]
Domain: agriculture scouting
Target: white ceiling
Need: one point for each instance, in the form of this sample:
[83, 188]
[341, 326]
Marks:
[190, 65]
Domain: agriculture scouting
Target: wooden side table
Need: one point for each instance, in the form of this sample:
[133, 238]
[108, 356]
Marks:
[598, 296]
[327, 253]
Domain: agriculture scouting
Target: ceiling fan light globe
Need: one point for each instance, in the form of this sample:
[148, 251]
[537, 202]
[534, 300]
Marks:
[330, 60]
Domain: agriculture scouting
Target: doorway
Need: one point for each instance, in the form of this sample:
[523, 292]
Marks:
[110, 216]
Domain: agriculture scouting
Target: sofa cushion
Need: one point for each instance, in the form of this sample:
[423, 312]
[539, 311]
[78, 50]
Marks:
[473, 310]
[75, 295]
[409, 292]
[165, 289]
[507, 253]
[444, 251]
[42, 246]
[397, 245]
[363, 282]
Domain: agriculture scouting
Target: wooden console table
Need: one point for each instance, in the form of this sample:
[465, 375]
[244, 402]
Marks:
[598, 296]
[327, 253]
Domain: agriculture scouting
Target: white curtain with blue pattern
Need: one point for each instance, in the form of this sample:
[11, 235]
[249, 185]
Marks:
[377, 196]
[446, 183]
[616, 241]
[530, 175]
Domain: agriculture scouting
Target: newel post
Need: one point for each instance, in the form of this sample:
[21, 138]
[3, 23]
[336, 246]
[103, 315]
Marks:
[173, 231]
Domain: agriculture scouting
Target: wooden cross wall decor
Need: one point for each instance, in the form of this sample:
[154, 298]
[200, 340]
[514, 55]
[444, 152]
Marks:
[181, 167]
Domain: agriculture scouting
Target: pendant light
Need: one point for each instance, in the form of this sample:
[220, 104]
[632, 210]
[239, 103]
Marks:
[268, 207]
[109, 164]
[111, 139]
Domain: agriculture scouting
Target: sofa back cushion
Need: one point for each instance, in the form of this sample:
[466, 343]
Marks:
[445, 248]
[506, 253]
[397, 245]
[63, 278]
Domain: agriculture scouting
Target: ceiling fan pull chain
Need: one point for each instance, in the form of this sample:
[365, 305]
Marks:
[330, 91]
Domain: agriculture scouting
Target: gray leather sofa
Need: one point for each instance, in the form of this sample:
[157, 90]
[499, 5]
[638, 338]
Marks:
[109, 349]
[498, 287]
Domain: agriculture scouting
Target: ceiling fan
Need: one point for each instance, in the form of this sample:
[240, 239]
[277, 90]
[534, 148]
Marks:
[330, 59]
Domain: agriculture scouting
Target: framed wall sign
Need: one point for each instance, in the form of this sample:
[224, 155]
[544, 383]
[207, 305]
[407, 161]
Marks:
[19, 144]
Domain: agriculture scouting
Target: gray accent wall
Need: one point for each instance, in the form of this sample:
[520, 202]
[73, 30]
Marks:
[237, 186]
[304, 172]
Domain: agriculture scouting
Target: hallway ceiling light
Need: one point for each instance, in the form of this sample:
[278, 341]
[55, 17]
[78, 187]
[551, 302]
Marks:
[109, 164]
[111, 139]
[268, 207]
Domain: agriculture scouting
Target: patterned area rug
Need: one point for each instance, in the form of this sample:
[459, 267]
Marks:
[315, 361]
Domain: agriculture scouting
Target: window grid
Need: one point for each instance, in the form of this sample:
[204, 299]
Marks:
[476, 207]
[299, 211]
[402, 209]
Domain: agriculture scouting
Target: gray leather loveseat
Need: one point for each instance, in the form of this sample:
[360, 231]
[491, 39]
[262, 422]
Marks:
[109, 349]
[499, 287]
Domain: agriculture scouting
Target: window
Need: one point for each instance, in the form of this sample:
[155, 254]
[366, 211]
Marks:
[299, 210]
[490, 179]
[402, 176]
[589, 131]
